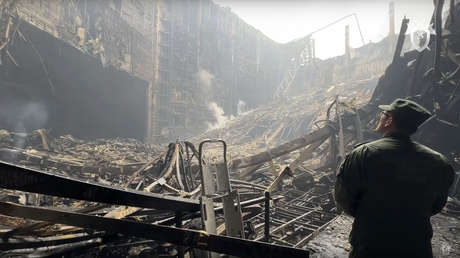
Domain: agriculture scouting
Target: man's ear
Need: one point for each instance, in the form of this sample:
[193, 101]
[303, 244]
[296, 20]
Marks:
[388, 122]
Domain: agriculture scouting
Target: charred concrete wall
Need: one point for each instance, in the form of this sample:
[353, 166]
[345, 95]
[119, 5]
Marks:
[199, 60]
[366, 63]
[191, 53]
[206, 54]
[52, 85]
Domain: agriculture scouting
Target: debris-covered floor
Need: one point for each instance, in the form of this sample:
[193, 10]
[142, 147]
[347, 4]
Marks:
[301, 205]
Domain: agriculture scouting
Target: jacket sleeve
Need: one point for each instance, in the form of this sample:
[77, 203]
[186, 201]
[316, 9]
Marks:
[446, 180]
[350, 182]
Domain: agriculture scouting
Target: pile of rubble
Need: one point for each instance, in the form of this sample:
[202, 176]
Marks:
[106, 158]
[175, 171]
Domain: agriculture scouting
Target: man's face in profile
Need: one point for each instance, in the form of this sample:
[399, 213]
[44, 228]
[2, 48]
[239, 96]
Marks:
[383, 122]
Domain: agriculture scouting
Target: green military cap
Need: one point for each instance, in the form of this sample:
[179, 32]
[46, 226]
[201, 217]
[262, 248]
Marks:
[407, 111]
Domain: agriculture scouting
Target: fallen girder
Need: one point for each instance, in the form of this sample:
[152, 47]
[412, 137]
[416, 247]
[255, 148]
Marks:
[31, 180]
[184, 237]
[48, 242]
[318, 135]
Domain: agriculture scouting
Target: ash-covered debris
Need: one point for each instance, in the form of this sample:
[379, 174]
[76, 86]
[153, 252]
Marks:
[102, 157]
[173, 172]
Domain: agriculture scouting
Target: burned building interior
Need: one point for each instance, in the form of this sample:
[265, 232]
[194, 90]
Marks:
[173, 128]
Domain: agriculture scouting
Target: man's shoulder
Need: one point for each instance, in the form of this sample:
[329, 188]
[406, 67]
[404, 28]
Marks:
[361, 150]
[370, 145]
[444, 168]
[360, 144]
[430, 152]
[423, 148]
[360, 147]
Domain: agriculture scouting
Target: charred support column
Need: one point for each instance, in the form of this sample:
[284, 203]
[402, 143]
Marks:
[438, 40]
[391, 34]
[155, 89]
[347, 44]
[347, 53]
[150, 111]
[401, 37]
[267, 217]
[313, 50]
[340, 132]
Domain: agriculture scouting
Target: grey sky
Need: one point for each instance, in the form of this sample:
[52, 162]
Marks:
[286, 20]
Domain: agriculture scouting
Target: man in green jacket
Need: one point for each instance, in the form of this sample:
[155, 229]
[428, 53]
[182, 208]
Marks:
[392, 186]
